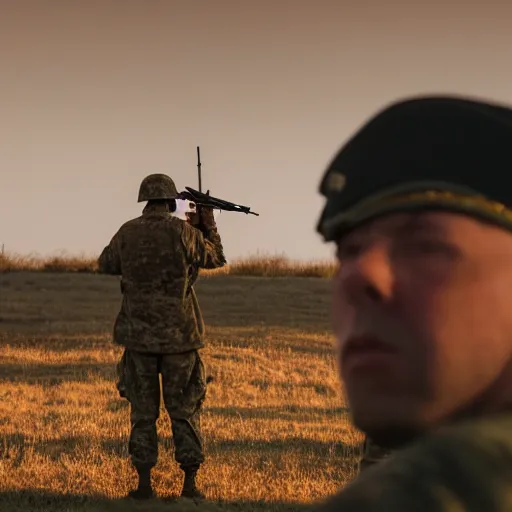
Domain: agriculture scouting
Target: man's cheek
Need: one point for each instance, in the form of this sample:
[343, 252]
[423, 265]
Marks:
[342, 319]
[424, 328]
[422, 310]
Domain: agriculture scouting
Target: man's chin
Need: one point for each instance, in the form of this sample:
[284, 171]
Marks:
[387, 432]
[393, 437]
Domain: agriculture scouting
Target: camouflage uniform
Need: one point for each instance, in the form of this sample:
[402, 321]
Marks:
[465, 467]
[183, 392]
[157, 255]
[160, 322]
[372, 454]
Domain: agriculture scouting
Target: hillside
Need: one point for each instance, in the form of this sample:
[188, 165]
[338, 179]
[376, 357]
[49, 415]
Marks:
[276, 432]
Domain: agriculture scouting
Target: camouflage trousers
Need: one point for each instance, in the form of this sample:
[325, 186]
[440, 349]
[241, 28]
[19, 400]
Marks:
[372, 454]
[183, 391]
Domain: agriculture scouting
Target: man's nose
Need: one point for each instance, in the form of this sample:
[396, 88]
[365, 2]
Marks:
[368, 277]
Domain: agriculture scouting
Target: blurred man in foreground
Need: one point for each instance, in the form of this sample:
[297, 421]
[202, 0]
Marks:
[419, 207]
[158, 257]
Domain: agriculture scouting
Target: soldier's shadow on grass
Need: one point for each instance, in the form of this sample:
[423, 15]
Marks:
[57, 342]
[289, 413]
[55, 374]
[309, 348]
[13, 447]
[320, 449]
[39, 499]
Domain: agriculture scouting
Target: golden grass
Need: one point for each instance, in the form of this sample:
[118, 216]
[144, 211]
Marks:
[257, 265]
[276, 430]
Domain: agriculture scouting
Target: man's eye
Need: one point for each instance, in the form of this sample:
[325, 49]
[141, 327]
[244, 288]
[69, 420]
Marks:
[427, 246]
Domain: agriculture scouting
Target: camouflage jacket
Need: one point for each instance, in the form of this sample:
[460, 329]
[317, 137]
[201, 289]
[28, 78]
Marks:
[158, 257]
[462, 468]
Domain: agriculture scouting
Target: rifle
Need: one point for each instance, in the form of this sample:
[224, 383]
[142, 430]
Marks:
[200, 199]
[209, 201]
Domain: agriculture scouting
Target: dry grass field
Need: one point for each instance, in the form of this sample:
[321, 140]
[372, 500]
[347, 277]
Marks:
[276, 431]
[257, 265]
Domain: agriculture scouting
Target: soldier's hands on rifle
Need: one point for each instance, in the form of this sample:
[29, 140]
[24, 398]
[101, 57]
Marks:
[193, 219]
[203, 218]
[207, 219]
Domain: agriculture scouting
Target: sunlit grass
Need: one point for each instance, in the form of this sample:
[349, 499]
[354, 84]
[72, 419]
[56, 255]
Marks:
[257, 265]
[277, 434]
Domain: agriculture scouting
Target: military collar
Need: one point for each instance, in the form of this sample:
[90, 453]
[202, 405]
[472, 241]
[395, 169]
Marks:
[156, 209]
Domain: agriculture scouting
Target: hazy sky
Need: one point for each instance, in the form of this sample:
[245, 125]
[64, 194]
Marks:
[95, 95]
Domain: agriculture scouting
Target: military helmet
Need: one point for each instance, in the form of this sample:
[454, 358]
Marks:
[157, 186]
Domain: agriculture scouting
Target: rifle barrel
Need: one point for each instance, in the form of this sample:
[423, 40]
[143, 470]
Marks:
[199, 169]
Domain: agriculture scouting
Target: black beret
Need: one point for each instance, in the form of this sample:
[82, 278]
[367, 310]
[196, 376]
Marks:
[448, 153]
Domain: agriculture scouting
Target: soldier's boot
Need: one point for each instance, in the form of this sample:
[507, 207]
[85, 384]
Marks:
[190, 489]
[144, 490]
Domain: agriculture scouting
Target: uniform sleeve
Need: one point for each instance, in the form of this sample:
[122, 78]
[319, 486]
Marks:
[109, 261]
[461, 471]
[203, 250]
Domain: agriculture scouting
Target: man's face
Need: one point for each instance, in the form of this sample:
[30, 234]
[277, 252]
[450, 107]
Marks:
[422, 313]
